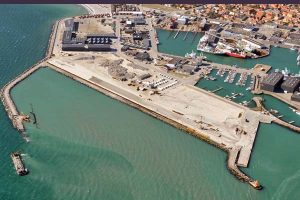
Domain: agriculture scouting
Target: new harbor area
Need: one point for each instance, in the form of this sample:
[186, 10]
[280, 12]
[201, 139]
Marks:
[118, 50]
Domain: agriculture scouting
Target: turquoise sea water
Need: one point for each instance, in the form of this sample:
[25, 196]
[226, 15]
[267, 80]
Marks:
[89, 146]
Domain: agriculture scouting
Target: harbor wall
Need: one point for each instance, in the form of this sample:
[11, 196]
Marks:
[232, 155]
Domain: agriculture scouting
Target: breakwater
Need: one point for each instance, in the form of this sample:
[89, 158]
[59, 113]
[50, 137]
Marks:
[232, 157]
[11, 109]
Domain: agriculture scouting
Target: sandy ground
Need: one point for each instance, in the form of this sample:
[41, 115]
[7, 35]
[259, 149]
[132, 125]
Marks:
[221, 120]
[97, 8]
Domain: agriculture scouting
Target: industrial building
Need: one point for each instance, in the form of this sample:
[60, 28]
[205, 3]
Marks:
[139, 21]
[143, 56]
[272, 81]
[144, 76]
[296, 97]
[92, 42]
[291, 84]
[174, 63]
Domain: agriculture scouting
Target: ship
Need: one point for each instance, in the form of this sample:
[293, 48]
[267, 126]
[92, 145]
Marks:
[204, 47]
[18, 163]
[236, 55]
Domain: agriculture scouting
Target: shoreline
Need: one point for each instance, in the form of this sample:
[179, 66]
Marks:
[89, 9]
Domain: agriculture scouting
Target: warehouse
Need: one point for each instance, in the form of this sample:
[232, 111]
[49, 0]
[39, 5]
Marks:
[146, 43]
[272, 81]
[144, 76]
[69, 23]
[67, 37]
[290, 84]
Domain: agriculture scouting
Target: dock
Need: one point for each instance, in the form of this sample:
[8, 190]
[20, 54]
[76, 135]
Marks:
[216, 90]
[176, 34]
[185, 36]
[18, 163]
[233, 154]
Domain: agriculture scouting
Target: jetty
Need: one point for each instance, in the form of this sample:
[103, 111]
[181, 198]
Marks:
[216, 90]
[17, 118]
[185, 36]
[18, 163]
[232, 167]
[176, 34]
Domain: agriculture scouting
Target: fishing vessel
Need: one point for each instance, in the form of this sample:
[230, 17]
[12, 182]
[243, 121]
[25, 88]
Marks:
[236, 55]
[204, 46]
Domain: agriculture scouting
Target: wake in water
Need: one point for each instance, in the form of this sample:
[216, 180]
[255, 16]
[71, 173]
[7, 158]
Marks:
[287, 186]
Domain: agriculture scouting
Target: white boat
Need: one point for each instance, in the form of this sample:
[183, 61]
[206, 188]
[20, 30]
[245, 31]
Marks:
[285, 72]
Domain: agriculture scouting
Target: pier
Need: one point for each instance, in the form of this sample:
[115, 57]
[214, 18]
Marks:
[185, 36]
[233, 154]
[216, 90]
[18, 163]
[176, 34]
